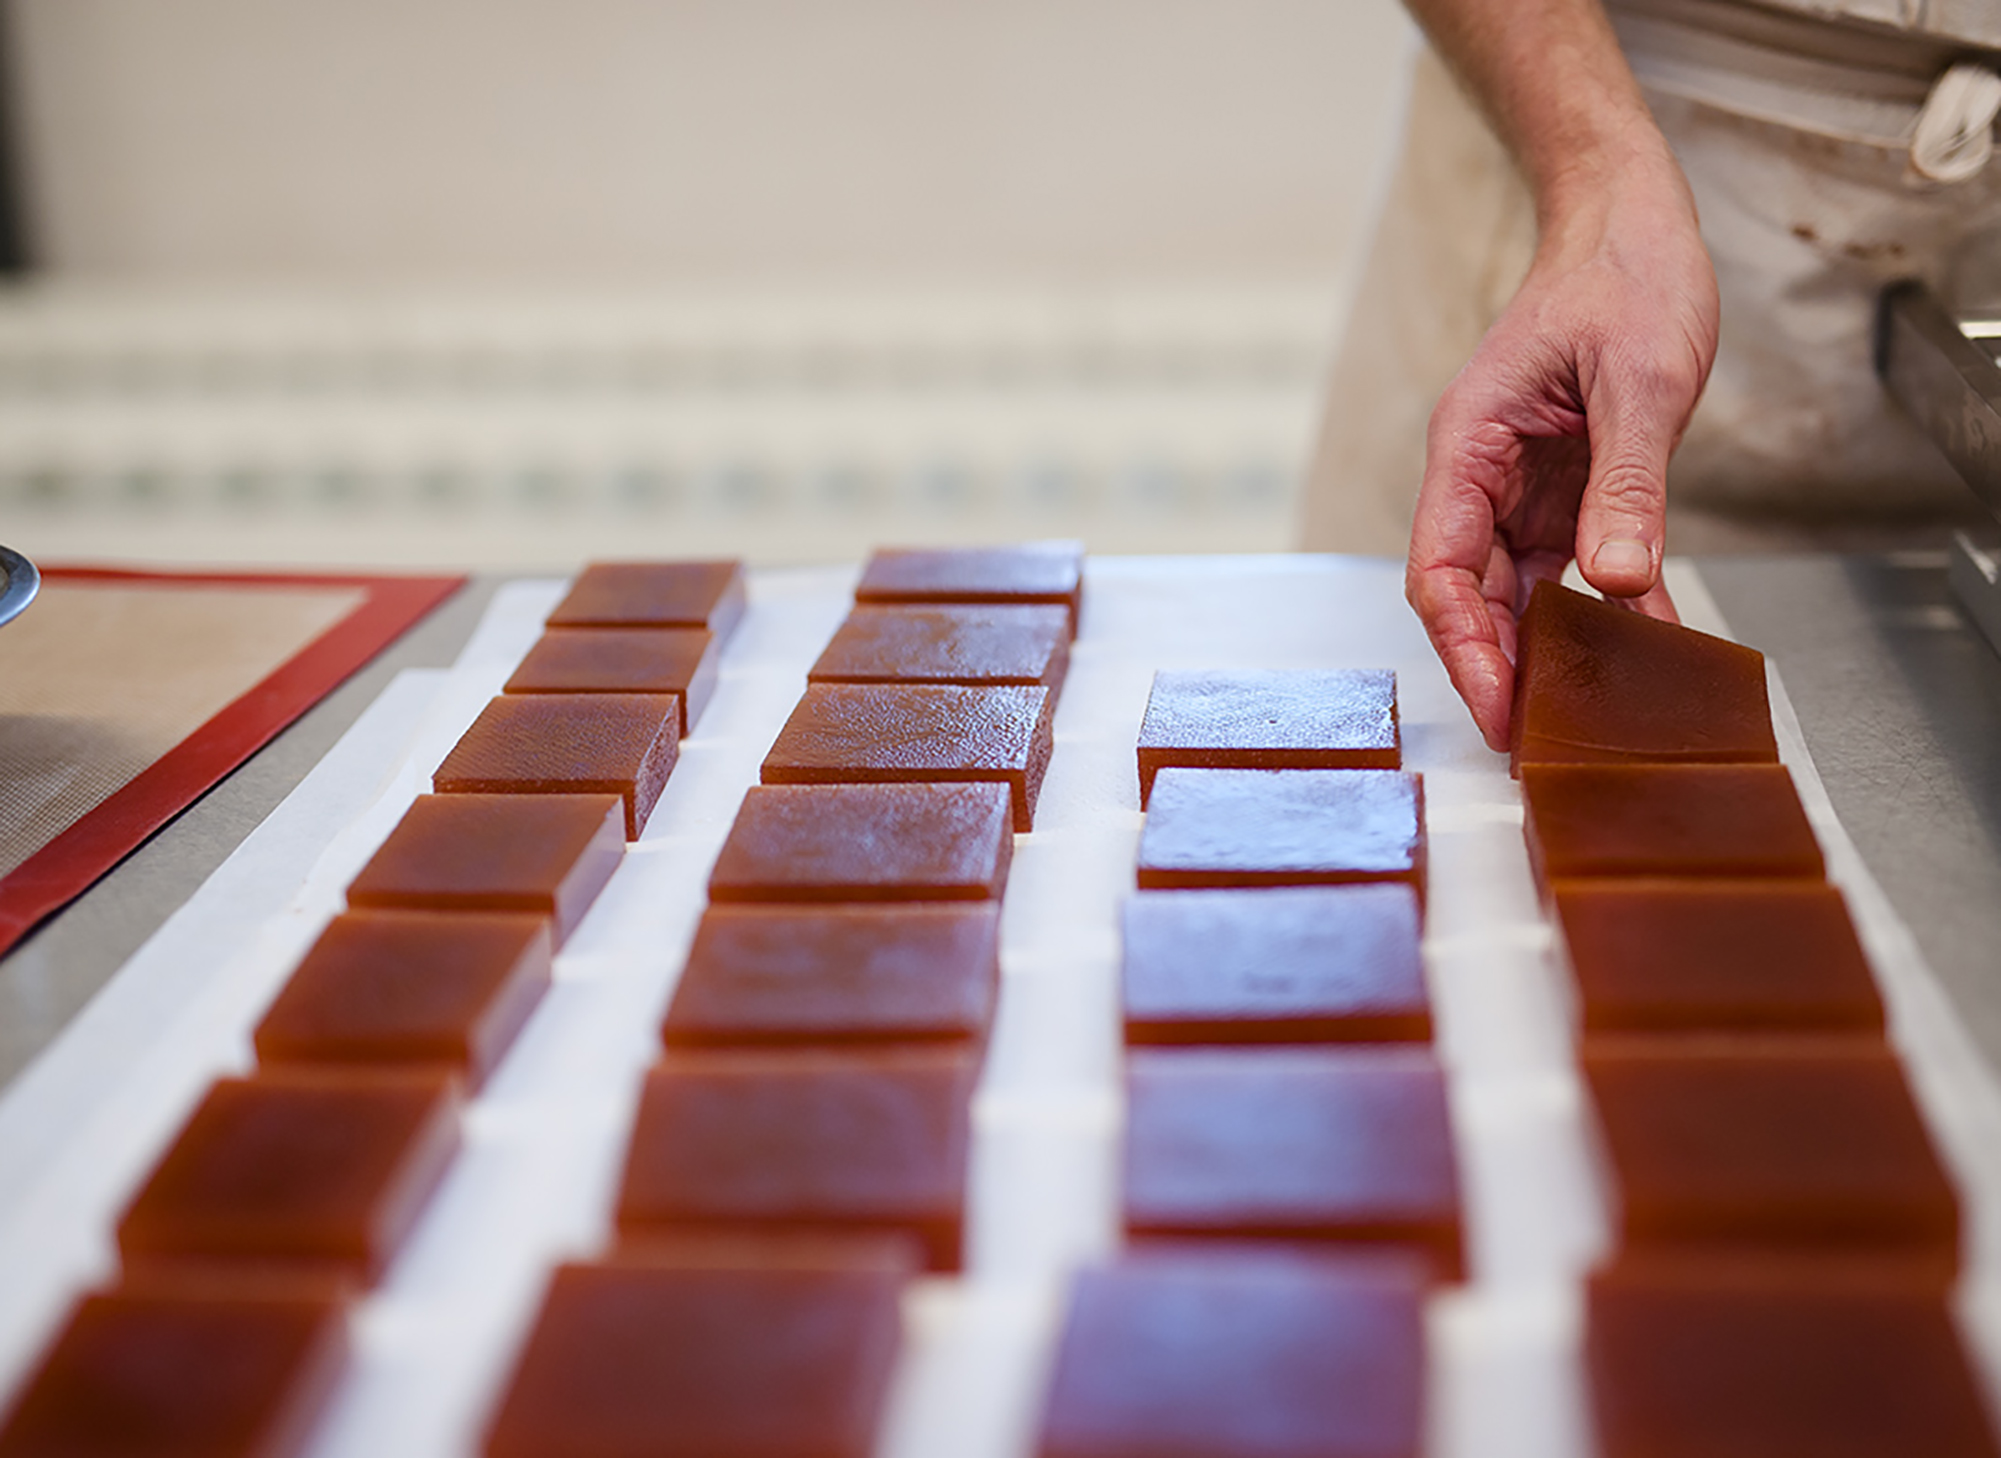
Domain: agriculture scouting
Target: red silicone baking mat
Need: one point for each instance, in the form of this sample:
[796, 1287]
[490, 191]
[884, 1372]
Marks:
[125, 696]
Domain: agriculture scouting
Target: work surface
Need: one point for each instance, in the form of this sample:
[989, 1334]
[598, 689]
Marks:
[1900, 704]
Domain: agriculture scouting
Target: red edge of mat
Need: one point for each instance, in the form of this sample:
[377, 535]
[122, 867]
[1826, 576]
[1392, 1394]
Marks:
[70, 864]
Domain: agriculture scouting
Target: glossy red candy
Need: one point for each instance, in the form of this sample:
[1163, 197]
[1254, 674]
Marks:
[1305, 964]
[838, 974]
[1597, 683]
[867, 843]
[1723, 820]
[870, 1143]
[569, 744]
[707, 594]
[1226, 827]
[1778, 1144]
[665, 1353]
[1244, 1351]
[916, 733]
[679, 661]
[161, 1369]
[1269, 719]
[1792, 1359]
[1306, 1145]
[545, 854]
[411, 988]
[305, 1169]
[1715, 956]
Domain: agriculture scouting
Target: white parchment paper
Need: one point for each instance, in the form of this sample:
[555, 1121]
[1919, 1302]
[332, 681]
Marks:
[544, 1141]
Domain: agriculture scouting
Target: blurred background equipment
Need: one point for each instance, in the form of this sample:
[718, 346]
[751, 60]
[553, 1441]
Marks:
[511, 283]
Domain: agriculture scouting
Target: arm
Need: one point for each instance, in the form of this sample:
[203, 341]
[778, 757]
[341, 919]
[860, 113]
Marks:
[1554, 439]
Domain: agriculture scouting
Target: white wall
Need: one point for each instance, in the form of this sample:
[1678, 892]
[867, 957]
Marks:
[559, 140]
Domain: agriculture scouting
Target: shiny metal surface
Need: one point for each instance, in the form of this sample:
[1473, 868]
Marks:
[19, 582]
[1949, 384]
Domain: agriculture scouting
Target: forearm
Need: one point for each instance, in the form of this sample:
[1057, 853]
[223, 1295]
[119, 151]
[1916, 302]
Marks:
[1551, 78]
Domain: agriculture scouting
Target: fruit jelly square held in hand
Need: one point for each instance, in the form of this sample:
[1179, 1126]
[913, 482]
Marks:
[917, 733]
[1722, 820]
[963, 644]
[661, 1352]
[438, 989]
[867, 843]
[1269, 719]
[569, 744]
[838, 974]
[1715, 956]
[1597, 683]
[1770, 1143]
[1307, 964]
[1036, 572]
[1306, 1145]
[1778, 1359]
[303, 1169]
[704, 594]
[1281, 1354]
[679, 661]
[159, 1367]
[1223, 827]
[821, 1143]
[548, 855]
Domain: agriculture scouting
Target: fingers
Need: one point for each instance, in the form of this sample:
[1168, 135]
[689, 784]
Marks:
[1470, 620]
[1635, 417]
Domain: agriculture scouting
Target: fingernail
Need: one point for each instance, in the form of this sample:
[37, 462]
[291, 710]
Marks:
[1623, 556]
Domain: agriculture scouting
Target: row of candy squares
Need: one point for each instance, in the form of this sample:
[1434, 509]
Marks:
[287, 1188]
[947, 670]
[1787, 1230]
[600, 703]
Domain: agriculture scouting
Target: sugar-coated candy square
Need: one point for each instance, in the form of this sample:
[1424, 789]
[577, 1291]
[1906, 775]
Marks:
[1304, 964]
[1335, 718]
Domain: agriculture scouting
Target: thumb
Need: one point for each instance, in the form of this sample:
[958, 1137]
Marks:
[1621, 520]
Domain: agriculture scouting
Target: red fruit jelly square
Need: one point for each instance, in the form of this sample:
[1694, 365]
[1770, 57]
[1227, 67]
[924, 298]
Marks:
[440, 989]
[1715, 956]
[1596, 683]
[838, 974]
[952, 644]
[1280, 1354]
[1269, 719]
[545, 854]
[679, 661]
[1037, 572]
[867, 843]
[1309, 964]
[655, 595]
[1350, 1145]
[1771, 1143]
[569, 744]
[805, 1143]
[171, 1368]
[916, 733]
[1792, 1358]
[656, 1352]
[1666, 820]
[1223, 827]
[308, 1169]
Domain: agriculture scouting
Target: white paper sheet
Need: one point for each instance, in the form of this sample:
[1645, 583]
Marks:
[544, 1141]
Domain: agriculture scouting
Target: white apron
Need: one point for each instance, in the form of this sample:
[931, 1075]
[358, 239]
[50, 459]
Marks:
[1797, 137]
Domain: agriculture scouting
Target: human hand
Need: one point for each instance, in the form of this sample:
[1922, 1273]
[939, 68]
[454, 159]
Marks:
[1553, 441]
